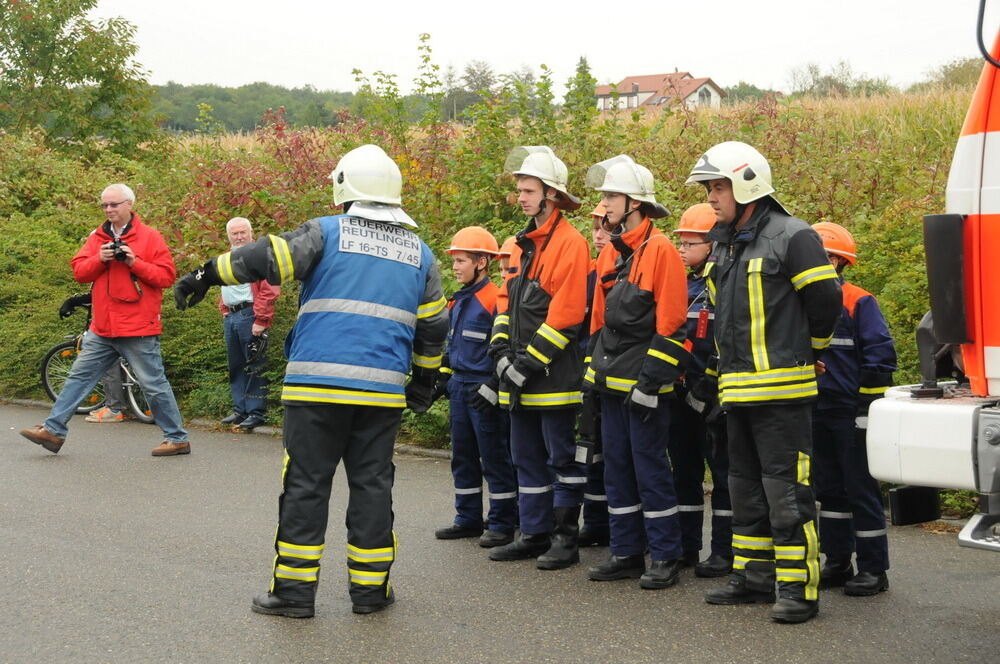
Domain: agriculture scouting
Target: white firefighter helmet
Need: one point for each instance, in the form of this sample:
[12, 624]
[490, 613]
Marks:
[539, 161]
[739, 163]
[623, 176]
[367, 177]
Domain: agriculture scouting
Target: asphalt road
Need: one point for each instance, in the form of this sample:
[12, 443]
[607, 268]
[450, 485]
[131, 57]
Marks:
[111, 555]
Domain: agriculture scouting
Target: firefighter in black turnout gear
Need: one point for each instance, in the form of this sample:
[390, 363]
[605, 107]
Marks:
[777, 300]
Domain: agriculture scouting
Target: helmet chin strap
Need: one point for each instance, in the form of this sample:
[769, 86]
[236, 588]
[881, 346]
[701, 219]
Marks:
[620, 226]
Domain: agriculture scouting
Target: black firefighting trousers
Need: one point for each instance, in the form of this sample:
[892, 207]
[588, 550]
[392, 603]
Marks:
[316, 439]
[774, 509]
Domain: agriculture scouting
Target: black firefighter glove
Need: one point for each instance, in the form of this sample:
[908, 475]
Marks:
[485, 396]
[256, 353]
[420, 390]
[703, 393]
[193, 286]
[442, 386]
[513, 376]
[643, 401]
[71, 303]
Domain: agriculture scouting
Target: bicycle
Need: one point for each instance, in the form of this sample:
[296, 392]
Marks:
[55, 369]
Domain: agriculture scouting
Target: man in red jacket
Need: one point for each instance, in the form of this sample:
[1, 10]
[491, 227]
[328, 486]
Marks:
[129, 264]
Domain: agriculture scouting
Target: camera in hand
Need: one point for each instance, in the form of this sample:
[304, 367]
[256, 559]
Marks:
[116, 246]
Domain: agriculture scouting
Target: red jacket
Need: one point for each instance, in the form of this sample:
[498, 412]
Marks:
[126, 300]
[264, 295]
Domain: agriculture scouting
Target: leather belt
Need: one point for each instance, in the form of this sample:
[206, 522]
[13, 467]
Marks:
[241, 305]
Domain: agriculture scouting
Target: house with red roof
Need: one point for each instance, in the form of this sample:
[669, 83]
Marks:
[658, 90]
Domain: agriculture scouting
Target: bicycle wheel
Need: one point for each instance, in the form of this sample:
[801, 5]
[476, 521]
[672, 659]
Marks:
[55, 369]
[136, 397]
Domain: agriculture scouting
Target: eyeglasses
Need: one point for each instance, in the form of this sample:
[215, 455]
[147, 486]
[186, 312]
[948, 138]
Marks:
[105, 206]
[688, 245]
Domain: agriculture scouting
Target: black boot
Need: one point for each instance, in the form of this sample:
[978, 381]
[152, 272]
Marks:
[564, 551]
[593, 537]
[272, 605]
[689, 559]
[866, 583]
[793, 610]
[522, 548]
[492, 538]
[837, 570]
[618, 567]
[736, 592]
[364, 609]
[455, 531]
[660, 574]
[714, 566]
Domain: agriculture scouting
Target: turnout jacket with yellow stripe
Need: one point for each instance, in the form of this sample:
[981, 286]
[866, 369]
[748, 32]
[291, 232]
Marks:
[370, 304]
[777, 300]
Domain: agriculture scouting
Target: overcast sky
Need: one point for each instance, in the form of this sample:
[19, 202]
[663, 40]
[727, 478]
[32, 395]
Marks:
[298, 42]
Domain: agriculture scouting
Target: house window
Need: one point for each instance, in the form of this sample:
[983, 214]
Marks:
[705, 97]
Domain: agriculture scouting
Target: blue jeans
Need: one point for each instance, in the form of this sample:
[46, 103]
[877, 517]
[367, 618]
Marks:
[96, 357]
[249, 391]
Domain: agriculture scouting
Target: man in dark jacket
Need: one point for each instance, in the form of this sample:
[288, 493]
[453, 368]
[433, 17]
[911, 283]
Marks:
[129, 264]
[777, 300]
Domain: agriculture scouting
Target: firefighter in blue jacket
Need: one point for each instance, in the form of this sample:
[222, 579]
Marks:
[370, 306]
[777, 300]
[479, 440]
[859, 367]
[698, 427]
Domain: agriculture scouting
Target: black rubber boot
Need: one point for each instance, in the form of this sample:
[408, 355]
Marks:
[736, 592]
[689, 559]
[713, 567]
[522, 548]
[866, 583]
[564, 551]
[455, 531]
[618, 567]
[593, 537]
[492, 538]
[272, 605]
[792, 610]
[661, 574]
[837, 570]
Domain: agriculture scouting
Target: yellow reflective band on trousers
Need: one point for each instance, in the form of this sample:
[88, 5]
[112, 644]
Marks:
[740, 562]
[431, 308]
[812, 560]
[790, 574]
[383, 555]
[755, 291]
[366, 578]
[427, 362]
[305, 552]
[307, 574]
[224, 266]
[284, 467]
[812, 275]
[797, 552]
[334, 395]
[803, 469]
[553, 336]
[754, 543]
[282, 257]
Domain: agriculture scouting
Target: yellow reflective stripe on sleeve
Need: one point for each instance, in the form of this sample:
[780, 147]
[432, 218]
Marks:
[305, 552]
[663, 356]
[283, 257]
[296, 573]
[382, 555]
[446, 370]
[711, 372]
[333, 395]
[224, 266]
[537, 354]
[587, 360]
[502, 319]
[622, 384]
[498, 336]
[812, 275]
[755, 286]
[426, 361]
[553, 335]
[802, 469]
[589, 375]
[873, 390]
[431, 308]
[365, 578]
[821, 344]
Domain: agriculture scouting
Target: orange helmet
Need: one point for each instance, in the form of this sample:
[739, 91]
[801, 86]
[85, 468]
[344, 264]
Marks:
[698, 218]
[837, 240]
[600, 211]
[475, 240]
[507, 247]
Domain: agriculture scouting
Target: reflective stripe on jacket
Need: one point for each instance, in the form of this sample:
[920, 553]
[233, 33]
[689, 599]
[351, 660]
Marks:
[638, 314]
[369, 305]
[540, 309]
[470, 317]
[777, 300]
[861, 357]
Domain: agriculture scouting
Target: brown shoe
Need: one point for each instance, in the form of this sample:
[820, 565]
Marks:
[41, 436]
[167, 448]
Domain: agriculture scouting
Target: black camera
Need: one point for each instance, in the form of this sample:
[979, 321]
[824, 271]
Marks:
[116, 246]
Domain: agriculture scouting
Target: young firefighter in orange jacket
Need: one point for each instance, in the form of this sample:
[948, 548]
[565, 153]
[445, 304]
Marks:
[540, 309]
[639, 312]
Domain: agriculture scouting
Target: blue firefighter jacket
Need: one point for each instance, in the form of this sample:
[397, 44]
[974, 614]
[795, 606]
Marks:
[471, 312]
